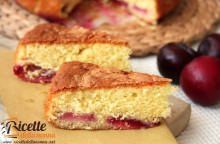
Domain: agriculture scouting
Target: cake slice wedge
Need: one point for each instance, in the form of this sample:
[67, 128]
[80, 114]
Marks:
[42, 50]
[86, 96]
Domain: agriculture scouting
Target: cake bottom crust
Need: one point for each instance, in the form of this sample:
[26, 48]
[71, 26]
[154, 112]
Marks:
[33, 73]
[73, 121]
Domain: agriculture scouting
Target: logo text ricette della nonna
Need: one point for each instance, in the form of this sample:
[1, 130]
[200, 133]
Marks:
[9, 124]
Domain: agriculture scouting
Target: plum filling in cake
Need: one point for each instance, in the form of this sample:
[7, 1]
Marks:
[92, 14]
[33, 73]
[126, 123]
[133, 7]
[140, 10]
[116, 123]
[69, 116]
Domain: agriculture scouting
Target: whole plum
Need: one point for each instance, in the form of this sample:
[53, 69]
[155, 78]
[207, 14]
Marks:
[172, 58]
[200, 80]
[210, 46]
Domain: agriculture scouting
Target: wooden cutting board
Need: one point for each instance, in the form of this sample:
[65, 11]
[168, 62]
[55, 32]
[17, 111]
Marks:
[25, 101]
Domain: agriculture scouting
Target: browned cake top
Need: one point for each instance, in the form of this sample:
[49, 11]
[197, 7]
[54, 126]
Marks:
[77, 75]
[54, 33]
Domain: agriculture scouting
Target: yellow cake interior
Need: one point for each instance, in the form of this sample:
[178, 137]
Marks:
[149, 5]
[53, 55]
[149, 103]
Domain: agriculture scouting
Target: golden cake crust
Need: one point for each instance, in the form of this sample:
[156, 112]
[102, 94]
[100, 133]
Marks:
[79, 76]
[52, 9]
[57, 34]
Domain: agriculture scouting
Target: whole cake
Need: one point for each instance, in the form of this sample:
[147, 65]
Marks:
[148, 10]
[42, 50]
[86, 96]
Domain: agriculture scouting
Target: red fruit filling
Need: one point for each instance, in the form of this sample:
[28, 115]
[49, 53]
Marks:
[134, 7]
[126, 123]
[94, 13]
[33, 73]
[69, 116]
[117, 123]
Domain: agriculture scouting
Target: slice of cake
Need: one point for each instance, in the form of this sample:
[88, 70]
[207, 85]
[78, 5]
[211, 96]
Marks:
[86, 96]
[151, 10]
[42, 50]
